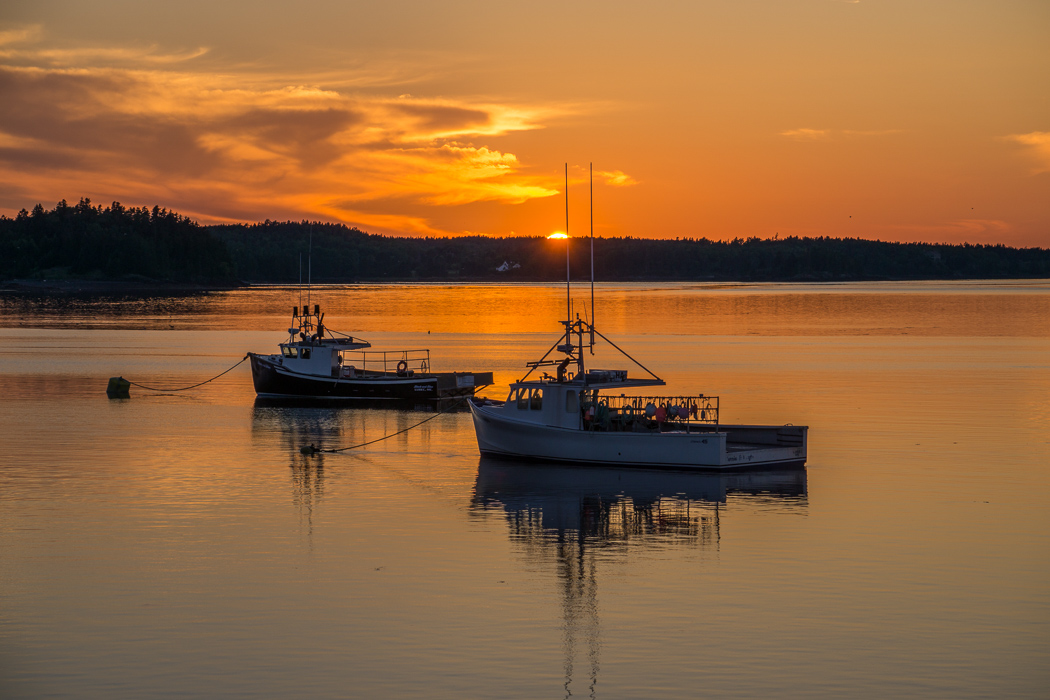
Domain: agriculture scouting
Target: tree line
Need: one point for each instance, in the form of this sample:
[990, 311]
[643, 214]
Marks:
[112, 243]
[115, 243]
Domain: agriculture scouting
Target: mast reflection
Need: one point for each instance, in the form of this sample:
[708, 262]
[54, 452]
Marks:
[296, 424]
[295, 427]
[573, 517]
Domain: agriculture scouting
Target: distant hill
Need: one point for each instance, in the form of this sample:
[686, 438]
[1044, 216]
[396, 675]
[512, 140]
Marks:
[118, 243]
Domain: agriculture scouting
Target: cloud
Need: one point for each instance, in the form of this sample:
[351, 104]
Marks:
[806, 134]
[1038, 143]
[20, 35]
[90, 55]
[616, 178]
[823, 134]
[227, 147]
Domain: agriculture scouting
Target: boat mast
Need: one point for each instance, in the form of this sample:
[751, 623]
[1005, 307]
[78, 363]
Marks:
[592, 256]
[568, 294]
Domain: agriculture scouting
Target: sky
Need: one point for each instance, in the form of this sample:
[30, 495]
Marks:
[900, 120]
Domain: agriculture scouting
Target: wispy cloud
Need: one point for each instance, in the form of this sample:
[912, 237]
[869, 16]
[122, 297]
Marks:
[225, 148]
[806, 134]
[616, 178]
[20, 34]
[826, 134]
[1038, 143]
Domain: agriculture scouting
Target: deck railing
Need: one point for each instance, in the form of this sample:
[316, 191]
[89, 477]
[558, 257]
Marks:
[666, 412]
[365, 361]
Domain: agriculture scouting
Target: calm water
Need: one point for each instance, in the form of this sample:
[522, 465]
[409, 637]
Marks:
[179, 545]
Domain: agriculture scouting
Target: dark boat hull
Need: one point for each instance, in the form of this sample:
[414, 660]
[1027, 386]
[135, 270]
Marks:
[275, 382]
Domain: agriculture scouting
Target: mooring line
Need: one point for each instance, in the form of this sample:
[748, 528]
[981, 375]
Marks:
[310, 449]
[184, 388]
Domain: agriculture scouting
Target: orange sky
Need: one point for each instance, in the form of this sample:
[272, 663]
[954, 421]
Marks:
[899, 120]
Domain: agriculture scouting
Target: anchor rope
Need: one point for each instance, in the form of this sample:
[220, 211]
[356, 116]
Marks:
[184, 388]
[385, 437]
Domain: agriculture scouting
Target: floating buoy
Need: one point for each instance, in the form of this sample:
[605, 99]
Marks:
[118, 388]
[308, 450]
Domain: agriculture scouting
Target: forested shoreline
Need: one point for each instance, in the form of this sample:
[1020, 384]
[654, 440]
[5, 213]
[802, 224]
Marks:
[119, 244]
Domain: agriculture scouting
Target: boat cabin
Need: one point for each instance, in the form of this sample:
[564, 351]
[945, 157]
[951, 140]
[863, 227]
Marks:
[304, 358]
[577, 404]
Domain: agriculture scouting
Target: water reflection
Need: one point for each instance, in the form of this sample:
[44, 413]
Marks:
[293, 428]
[291, 425]
[570, 517]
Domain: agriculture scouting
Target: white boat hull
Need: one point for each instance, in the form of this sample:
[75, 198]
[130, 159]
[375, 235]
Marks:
[728, 447]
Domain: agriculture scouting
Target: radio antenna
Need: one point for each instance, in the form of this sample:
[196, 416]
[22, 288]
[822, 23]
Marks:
[568, 294]
[592, 256]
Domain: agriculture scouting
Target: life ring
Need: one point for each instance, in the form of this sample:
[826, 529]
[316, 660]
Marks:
[402, 367]
[423, 367]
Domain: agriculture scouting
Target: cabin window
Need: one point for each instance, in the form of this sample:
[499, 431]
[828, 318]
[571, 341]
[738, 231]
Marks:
[572, 402]
[523, 398]
[288, 352]
[304, 353]
[537, 399]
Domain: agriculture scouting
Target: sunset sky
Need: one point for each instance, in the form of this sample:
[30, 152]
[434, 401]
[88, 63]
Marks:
[907, 120]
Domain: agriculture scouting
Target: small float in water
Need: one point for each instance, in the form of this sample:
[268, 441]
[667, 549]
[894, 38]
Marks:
[318, 363]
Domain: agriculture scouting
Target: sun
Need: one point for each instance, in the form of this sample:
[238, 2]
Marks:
[558, 234]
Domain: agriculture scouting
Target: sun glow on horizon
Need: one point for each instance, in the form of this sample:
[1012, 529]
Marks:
[558, 234]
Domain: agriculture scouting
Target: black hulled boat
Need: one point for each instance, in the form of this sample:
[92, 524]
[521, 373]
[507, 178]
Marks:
[318, 363]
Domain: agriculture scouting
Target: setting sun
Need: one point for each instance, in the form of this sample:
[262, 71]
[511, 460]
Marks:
[558, 234]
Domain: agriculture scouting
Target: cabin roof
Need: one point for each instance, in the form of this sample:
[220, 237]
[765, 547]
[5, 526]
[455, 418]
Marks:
[330, 343]
[582, 384]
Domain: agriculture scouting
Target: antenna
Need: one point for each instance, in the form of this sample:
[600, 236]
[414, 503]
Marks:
[300, 278]
[309, 265]
[592, 256]
[568, 294]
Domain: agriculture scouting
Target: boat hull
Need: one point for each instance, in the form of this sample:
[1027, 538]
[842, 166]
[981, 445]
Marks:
[728, 447]
[272, 381]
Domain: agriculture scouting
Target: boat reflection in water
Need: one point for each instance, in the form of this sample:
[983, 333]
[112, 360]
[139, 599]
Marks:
[570, 515]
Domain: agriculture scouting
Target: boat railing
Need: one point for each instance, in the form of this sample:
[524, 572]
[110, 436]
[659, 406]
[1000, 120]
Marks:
[387, 361]
[666, 412]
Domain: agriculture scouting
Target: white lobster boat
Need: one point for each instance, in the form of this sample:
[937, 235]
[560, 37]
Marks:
[586, 417]
[579, 417]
